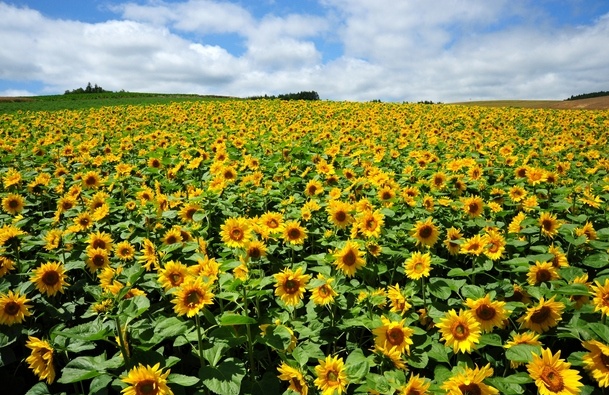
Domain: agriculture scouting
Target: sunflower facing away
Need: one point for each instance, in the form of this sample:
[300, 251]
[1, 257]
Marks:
[552, 374]
[596, 362]
[13, 308]
[297, 381]
[461, 332]
[191, 297]
[470, 381]
[349, 259]
[331, 376]
[50, 278]
[425, 232]
[41, 359]
[489, 313]
[545, 315]
[290, 285]
[146, 380]
[418, 265]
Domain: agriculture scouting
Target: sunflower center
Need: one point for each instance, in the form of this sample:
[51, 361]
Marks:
[605, 360]
[419, 267]
[486, 312]
[552, 379]
[470, 389]
[323, 290]
[12, 308]
[13, 204]
[547, 225]
[98, 260]
[473, 208]
[425, 232]
[171, 239]
[312, 189]
[493, 248]
[340, 216]
[294, 234]
[66, 205]
[459, 331]
[332, 378]
[350, 258]
[543, 276]
[236, 234]
[272, 224]
[386, 195]
[84, 222]
[541, 315]
[50, 278]
[90, 181]
[98, 243]
[296, 383]
[193, 298]
[176, 279]
[124, 251]
[146, 387]
[395, 336]
[291, 286]
[370, 224]
[190, 213]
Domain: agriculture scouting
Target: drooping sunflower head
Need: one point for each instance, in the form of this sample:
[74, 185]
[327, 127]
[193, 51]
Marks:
[297, 381]
[50, 278]
[6, 265]
[41, 359]
[596, 361]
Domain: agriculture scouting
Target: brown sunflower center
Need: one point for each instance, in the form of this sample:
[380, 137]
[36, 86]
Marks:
[294, 234]
[552, 379]
[50, 278]
[98, 260]
[418, 267]
[254, 252]
[605, 360]
[323, 290]
[176, 279]
[291, 286]
[312, 189]
[470, 389]
[99, 243]
[236, 234]
[340, 216]
[190, 213]
[547, 225]
[540, 315]
[332, 378]
[485, 312]
[543, 275]
[229, 175]
[386, 195]
[395, 336]
[370, 224]
[84, 222]
[349, 258]
[425, 232]
[13, 203]
[146, 387]
[90, 180]
[272, 224]
[66, 205]
[296, 383]
[125, 251]
[193, 298]
[473, 208]
[459, 331]
[12, 308]
[171, 239]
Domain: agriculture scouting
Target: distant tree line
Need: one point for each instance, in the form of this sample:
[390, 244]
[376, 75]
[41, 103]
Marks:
[588, 95]
[88, 89]
[304, 95]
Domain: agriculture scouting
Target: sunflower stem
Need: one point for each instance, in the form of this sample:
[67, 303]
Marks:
[199, 340]
[121, 342]
[423, 292]
[250, 343]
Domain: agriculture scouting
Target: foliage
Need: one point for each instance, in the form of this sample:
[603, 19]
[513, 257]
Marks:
[304, 95]
[248, 247]
[588, 95]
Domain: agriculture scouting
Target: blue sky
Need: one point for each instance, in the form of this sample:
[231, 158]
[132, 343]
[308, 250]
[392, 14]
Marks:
[406, 50]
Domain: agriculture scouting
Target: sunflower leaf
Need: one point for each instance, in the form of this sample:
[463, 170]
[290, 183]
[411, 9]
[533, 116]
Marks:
[225, 379]
[522, 352]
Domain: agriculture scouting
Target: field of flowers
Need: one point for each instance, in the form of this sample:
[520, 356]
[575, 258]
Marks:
[268, 247]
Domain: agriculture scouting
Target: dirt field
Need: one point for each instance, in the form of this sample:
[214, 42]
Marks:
[595, 103]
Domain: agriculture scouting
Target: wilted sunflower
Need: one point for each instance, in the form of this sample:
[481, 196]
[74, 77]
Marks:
[13, 308]
[146, 380]
[41, 359]
[290, 285]
[393, 334]
[600, 295]
[50, 278]
[172, 275]
[297, 381]
[293, 233]
[460, 331]
[542, 272]
[97, 258]
[470, 381]
[418, 265]
[323, 294]
[13, 203]
[549, 224]
[596, 362]
[191, 297]
[331, 376]
[489, 313]
[473, 206]
[545, 315]
[425, 232]
[350, 258]
[552, 374]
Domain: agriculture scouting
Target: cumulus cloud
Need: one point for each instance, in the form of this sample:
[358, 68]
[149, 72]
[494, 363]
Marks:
[386, 50]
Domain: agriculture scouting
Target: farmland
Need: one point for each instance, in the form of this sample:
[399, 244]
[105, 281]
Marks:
[251, 247]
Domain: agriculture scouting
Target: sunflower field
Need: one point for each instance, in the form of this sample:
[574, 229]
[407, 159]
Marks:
[274, 247]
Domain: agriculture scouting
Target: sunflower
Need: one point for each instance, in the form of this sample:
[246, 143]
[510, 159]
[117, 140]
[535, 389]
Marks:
[452, 236]
[6, 265]
[290, 285]
[97, 258]
[397, 300]
[418, 265]
[272, 222]
[331, 376]
[124, 250]
[517, 193]
[41, 359]
[350, 258]
[10, 235]
[50, 278]
[149, 256]
[297, 381]
[530, 338]
[416, 385]
[12, 177]
[191, 297]
[393, 334]
[207, 268]
[545, 315]
[600, 298]
[323, 294]
[155, 163]
[100, 240]
[495, 245]
[473, 206]
[236, 232]
[490, 314]
[586, 230]
[339, 213]
[13, 203]
[255, 249]
[188, 211]
[370, 223]
[473, 245]
[146, 380]
[461, 332]
[519, 295]
[541, 272]
[514, 226]
[241, 272]
[172, 275]
[13, 308]
[552, 374]
[313, 188]
[470, 381]
[549, 224]
[172, 236]
[560, 258]
[293, 233]
[83, 221]
[386, 194]
[425, 232]
[596, 362]
[91, 180]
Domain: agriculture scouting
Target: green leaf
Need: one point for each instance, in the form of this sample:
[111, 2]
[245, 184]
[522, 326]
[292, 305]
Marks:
[357, 366]
[225, 379]
[601, 330]
[597, 261]
[522, 352]
[439, 288]
[439, 352]
[39, 389]
[134, 307]
[576, 358]
[472, 292]
[91, 331]
[99, 383]
[490, 339]
[235, 319]
[418, 360]
[214, 354]
[183, 380]
[573, 289]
